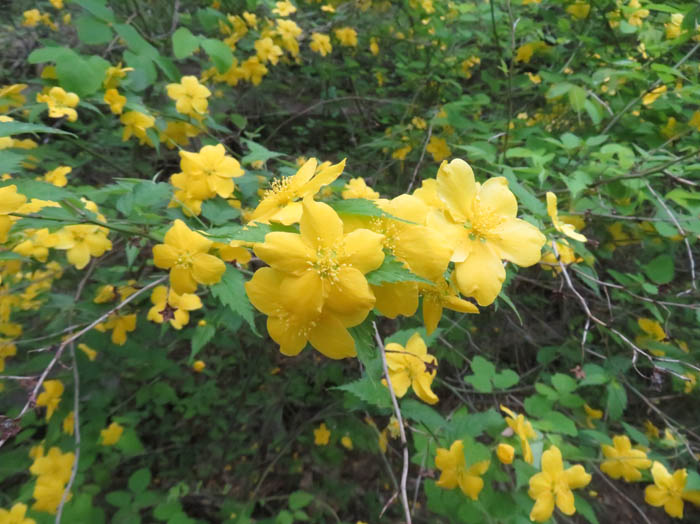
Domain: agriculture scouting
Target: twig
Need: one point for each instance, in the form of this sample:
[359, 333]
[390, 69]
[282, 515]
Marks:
[402, 431]
[59, 352]
[420, 160]
[630, 501]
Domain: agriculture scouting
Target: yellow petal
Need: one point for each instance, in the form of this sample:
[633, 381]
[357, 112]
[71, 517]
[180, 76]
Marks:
[207, 269]
[543, 508]
[397, 298]
[495, 198]
[517, 241]
[576, 477]
[320, 225]
[349, 292]
[551, 462]
[286, 252]
[180, 236]
[457, 188]
[400, 381]
[330, 337]
[263, 290]
[470, 485]
[181, 280]
[481, 275]
[655, 496]
[565, 501]
[674, 507]
[432, 313]
[291, 338]
[165, 256]
[363, 250]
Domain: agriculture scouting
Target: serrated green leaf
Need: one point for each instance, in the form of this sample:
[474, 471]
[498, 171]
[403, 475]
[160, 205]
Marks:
[585, 509]
[257, 153]
[202, 335]
[231, 292]
[420, 412]
[616, 400]
[660, 270]
[636, 435]
[370, 391]
[219, 53]
[16, 128]
[392, 271]
[249, 233]
[135, 41]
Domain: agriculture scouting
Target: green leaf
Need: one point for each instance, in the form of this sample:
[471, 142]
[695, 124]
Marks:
[139, 480]
[11, 162]
[617, 400]
[505, 379]
[556, 422]
[595, 375]
[97, 8]
[231, 292]
[257, 153]
[414, 410]
[370, 391]
[93, 31]
[636, 435]
[391, 271]
[219, 212]
[693, 481]
[120, 499]
[357, 206]
[249, 233]
[16, 128]
[202, 335]
[300, 499]
[524, 195]
[184, 43]
[563, 383]
[481, 366]
[660, 270]
[284, 517]
[219, 53]
[135, 41]
[585, 509]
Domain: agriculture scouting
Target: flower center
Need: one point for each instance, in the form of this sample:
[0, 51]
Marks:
[483, 222]
[326, 264]
[184, 260]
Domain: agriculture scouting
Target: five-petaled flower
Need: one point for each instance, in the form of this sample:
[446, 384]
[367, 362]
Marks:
[669, 491]
[50, 398]
[190, 96]
[60, 103]
[554, 484]
[412, 366]
[523, 429]
[454, 471]
[623, 461]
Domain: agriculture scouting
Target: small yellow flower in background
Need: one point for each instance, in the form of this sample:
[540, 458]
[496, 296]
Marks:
[401, 153]
[454, 472]
[673, 27]
[184, 253]
[251, 19]
[115, 100]
[695, 120]
[346, 442]
[120, 326]
[393, 427]
[89, 352]
[347, 36]
[190, 96]
[50, 398]
[383, 440]
[523, 429]
[60, 103]
[505, 453]
[15, 515]
[105, 294]
[419, 122]
[7, 349]
[10, 202]
[554, 484]
[567, 256]
[285, 8]
[623, 461]
[68, 425]
[31, 18]
[111, 434]
[114, 75]
[57, 176]
[321, 44]
[82, 241]
[669, 490]
[468, 64]
[136, 124]
[579, 10]
[358, 188]
[438, 148]
[651, 97]
[198, 366]
[48, 493]
[690, 384]
[636, 15]
[322, 435]
[566, 229]
[591, 415]
[58, 4]
[253, 71]
[173, 307]
[524, 52]
[650, 430]
[412, 366]
[12, 96]
[267, 51]
[653, 332]
[373, 46]
[535, 79]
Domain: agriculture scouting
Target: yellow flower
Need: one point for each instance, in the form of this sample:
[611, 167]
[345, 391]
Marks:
[178, 134]
[57, 176]
[468, 64]
[31, 18]
[579, 10]
[636, 15]
[198, 366]
[439, 296]
[535, 79]
[453, 470]
[673, 27]
[48, 492]
[321, 44]
[58, 4]
[68, 424]
[11, 96]
[7, 349]
[650, 97]
[668, 490]
[358, 188]
[322, 435]
[185, 254]
[60, 103]
[402, 152]
[481, 221]
[315, 287]
[695, 120]
[505, 453]
[15, 515]
[523, 429]
[10, 202]
[82, 241]
[168, 305]
[623, 461]
[251, 19]
[689, 385]
[90, 353]
[591, 415]
[120, 325]
[55, 465]
[211, 165]
[113, 76]
[554, 484]
[285, 8]
[438, 148]
[267, 50]
[190, 96]
[111, 434]
[650, 430]
[347, 36]
[567, 256]
[373, 46]
[567, 229]
[412, 366]
[50, 398]
[524, 52]
[281, 202]
[136, 123]
[346, 442]
[253, 71]
[115, 100]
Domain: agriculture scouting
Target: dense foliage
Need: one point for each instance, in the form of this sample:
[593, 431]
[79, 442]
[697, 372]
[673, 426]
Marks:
[355, 262]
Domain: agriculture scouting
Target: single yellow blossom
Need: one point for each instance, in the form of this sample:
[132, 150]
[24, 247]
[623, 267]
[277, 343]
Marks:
[623, 461]
[90, 353]
[68, 424]
[651, 97]
[346, 442]
[505, 453]
[31, 18]
[114, 75]
[185, 254]
[111, 434]
[198, 366]
[171, 306]
[190, 96]
[673, 27]
[268, 51]
[51, 397]
[358, 188]
[322, 435]
[636, 14]
[566, 229]
[402, 152]
[591, 415]
[120, 326]
[412, 366]
[15, 515]
[454, 472]
[82, 241]
[136, 124]
[321, 44]
[115, 100]
[373, 46]
[60, 103]
[438, 148]
[669, 491]
[535, 79]
[284, 8]
[523, 429]
[554, 484]
[347, 36]
[579, 10]
[57, 176]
